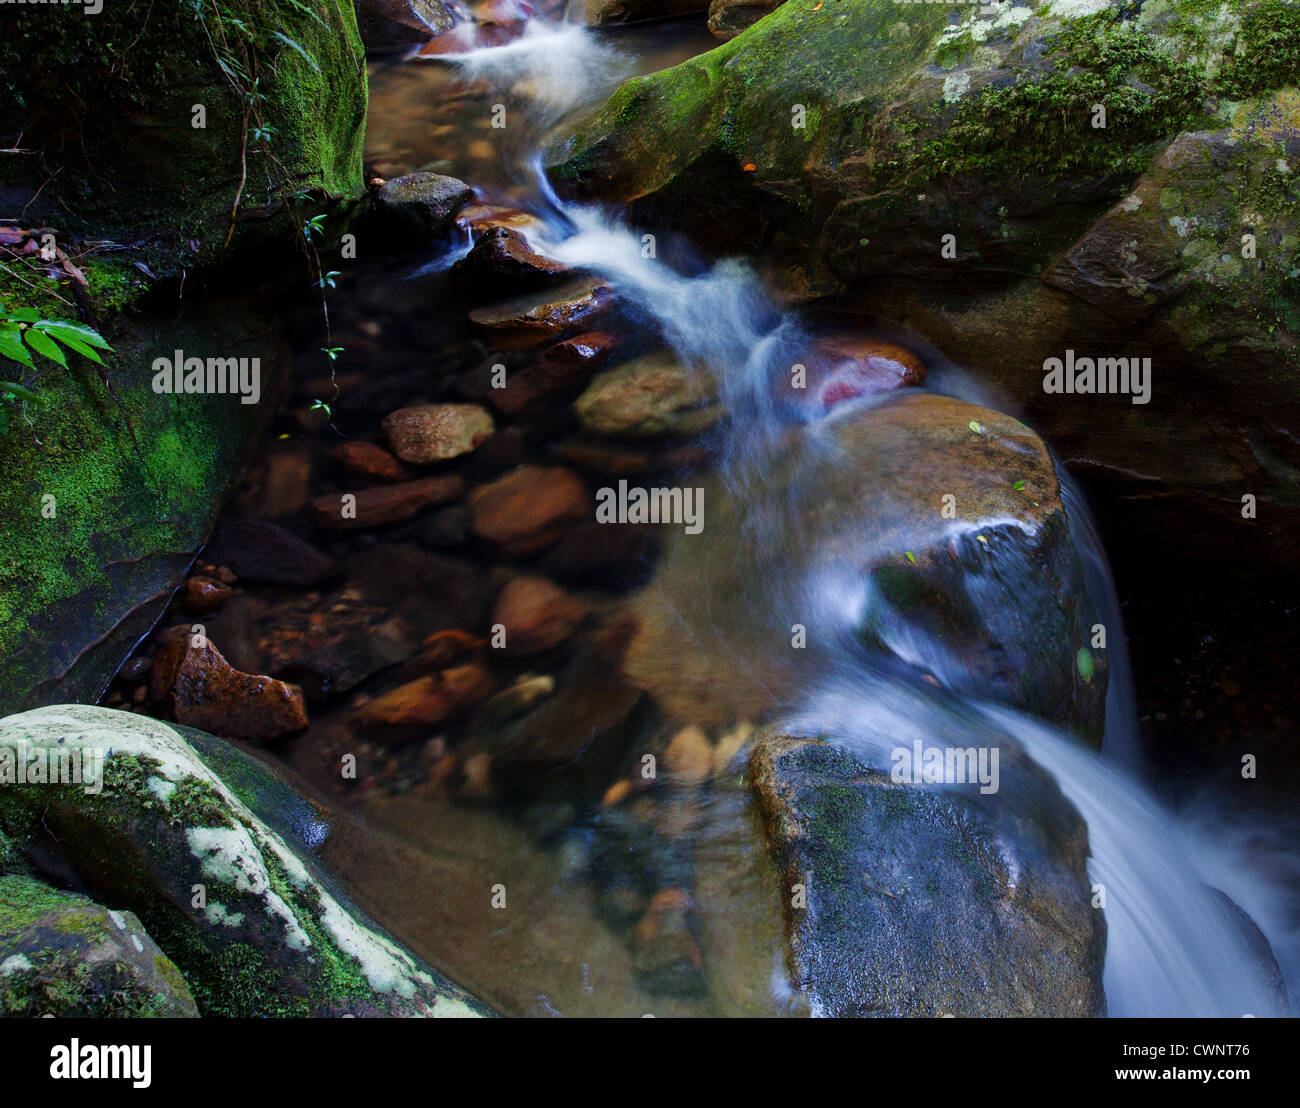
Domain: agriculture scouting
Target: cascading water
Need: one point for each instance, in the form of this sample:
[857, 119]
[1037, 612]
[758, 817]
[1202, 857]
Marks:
[1175, 946]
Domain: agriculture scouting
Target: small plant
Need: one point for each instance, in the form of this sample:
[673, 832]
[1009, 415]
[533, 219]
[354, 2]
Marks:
[25, 335]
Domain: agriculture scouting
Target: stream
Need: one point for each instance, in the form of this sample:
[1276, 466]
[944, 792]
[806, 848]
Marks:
[669, 902]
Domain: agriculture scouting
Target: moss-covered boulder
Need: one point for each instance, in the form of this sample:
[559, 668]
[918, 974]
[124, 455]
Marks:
[248, 918]
[61, 954]
[849, 138]
[925, 531]
[167, 154]
[908, 900]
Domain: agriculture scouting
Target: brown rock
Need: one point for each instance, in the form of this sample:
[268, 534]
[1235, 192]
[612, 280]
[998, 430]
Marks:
[537, 615]
[689, 757]
[844, 365]
[258, 550]
[502, 259]
[560, 369]
[374, 507]
[532, 318]
[370, 460]
[529, 509]
[651, 395]
[478, 219]
[203, 595]
[203, 690]
[436, 432]
[430, 699]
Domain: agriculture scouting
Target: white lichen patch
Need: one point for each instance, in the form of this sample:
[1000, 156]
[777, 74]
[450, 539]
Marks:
[955, 86]
[1184, 225]
[228, 855]
[15, 963]
[162, 789]
[1075, 9]
[218, 915]
[1130, 203]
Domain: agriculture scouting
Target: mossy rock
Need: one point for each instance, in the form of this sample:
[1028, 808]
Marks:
[817, 134]
[250, 921]
[108, 104]
[61, 954]
[908, 900]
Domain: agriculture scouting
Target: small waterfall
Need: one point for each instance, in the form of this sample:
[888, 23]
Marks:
[1175, 947]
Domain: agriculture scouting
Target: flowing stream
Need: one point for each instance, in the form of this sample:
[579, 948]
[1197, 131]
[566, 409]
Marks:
[1175, 946]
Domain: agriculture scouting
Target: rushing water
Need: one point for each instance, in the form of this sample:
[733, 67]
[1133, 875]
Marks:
[1174, 947]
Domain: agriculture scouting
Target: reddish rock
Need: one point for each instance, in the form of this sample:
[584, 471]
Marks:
[537, 615]
[502, 259]
[370, 460]
[426, 433]
[203, 595]
[374, 507]
[478, 219]
[842, 366]
[201, 689]
[528, 320]
[529, 509]
[561, 368]
[431, 699]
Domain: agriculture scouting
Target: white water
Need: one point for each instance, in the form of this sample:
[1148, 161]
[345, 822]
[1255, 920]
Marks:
[1173, 948]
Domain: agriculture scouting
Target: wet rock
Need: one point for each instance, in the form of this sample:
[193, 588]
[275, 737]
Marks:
[653, 395]
[430, 699]
[203, 595]
[397, 24]
[917, 904]
[689, 757]
[477, 219]
[62, 955]
[428, 433]
[389, 504]
[537, 615]
[988, 580]
[201, 689]
[532, 318]
[665, 950]
[445, 527]
[528, 510]
[268, 936]
[520, 698]
[451, 593]
[727, 18]
[559, 370]
[370, 460]
[137, 669]
[340, 666]
[418, 208]
[603, 12]
[257, 550]
[624, 554]
[502, 259]
[843, 366]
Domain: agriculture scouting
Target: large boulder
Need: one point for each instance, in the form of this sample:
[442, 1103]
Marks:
[927, 531]
[905, 900]
[230, 894]
[598, 13]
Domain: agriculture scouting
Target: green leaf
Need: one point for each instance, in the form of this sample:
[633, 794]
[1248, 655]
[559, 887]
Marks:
[43, 344]
[63, 330]
[1085, 663]
[81, 348]
[910, 557]
[22, 392]
[1018, 486]
[280, 36]
[976, 427]
[11, 344]
[23, 315]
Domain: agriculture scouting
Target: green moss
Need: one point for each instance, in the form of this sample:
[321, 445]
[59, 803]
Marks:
[1268, 51]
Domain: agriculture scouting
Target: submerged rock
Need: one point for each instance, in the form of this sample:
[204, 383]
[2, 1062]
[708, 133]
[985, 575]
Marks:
[386, 504]
[904, 901]
[65, 956]
[201, 689]
[253, 925]
[427, 433]
[652, 395]
[528, 509]
[537, 615]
